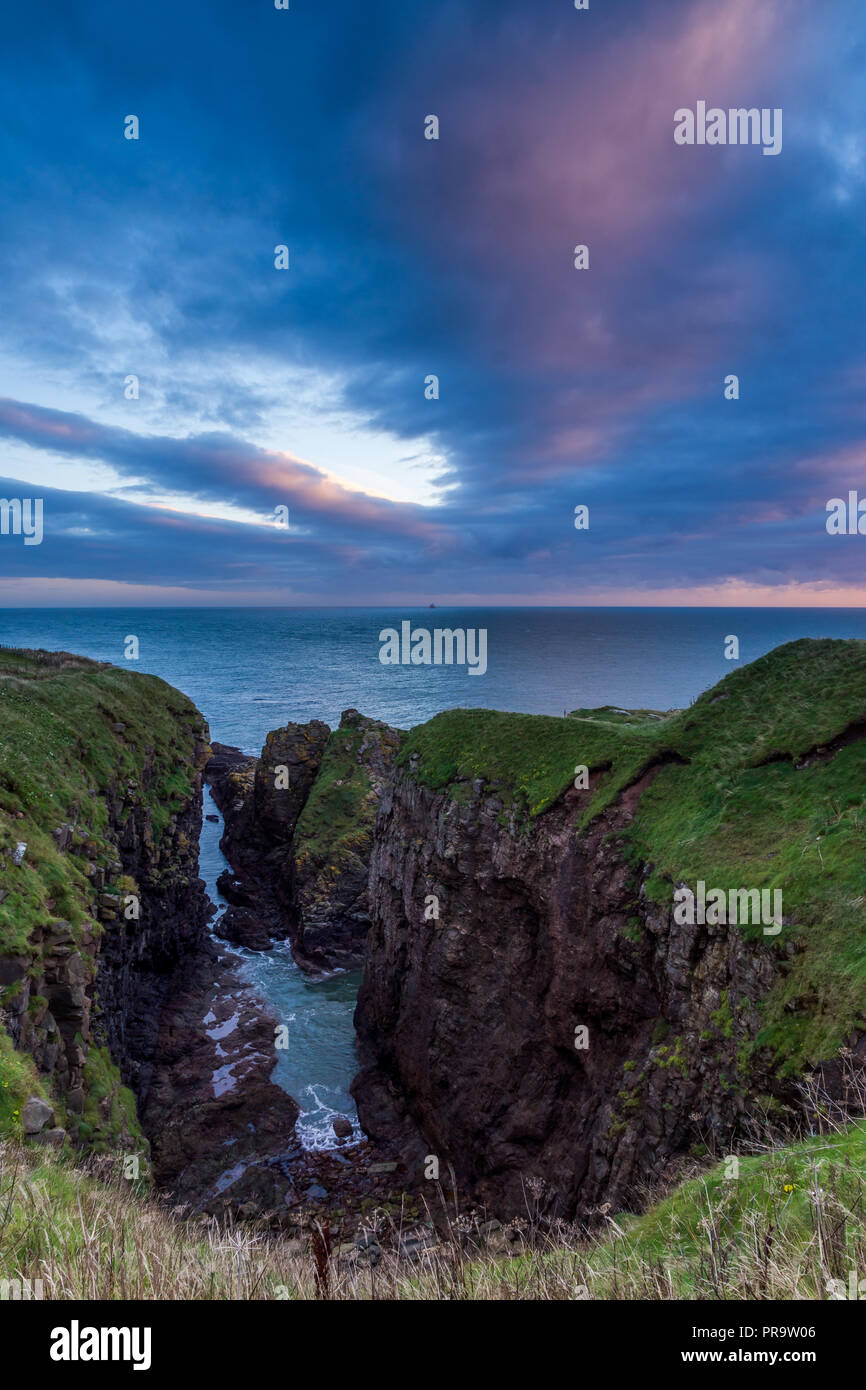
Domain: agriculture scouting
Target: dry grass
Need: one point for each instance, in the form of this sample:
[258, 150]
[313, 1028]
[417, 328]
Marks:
[792, 1221]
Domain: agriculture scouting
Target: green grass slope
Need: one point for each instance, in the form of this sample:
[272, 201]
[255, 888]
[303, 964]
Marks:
[72, 732]
[753, 791]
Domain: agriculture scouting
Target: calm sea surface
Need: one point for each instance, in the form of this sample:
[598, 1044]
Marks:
[251, 670]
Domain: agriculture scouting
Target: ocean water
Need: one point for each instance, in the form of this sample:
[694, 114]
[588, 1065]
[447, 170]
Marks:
[251, 670]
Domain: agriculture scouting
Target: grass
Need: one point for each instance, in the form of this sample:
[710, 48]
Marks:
[792, 1219]
[335, 828]
[18, 1080]
[62, 760]
[339, 812]
[86, 745]
[109, 1108]
[785, 1226]
[527, 759]
[732, 803]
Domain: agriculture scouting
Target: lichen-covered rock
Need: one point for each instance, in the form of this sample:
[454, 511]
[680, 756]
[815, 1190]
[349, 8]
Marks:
[36, 1114]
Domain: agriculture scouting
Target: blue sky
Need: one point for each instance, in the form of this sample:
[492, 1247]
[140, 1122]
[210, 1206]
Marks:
[305, 388]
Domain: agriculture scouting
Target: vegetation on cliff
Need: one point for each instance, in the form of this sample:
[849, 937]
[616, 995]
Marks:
[73, 734]
[84, 749]
[761, 783]
[789, 1225]
[334, 831]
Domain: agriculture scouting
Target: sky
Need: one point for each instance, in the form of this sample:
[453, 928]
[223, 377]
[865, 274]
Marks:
[307, 388]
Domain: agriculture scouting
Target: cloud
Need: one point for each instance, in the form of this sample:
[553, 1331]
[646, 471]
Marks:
[412, 257]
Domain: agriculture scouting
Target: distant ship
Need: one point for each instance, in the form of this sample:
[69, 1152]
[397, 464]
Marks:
[431, 605]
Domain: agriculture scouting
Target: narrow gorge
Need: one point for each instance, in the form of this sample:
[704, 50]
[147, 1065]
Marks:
[534, 1024]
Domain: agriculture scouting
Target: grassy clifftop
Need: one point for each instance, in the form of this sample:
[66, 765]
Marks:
[73, 736]
[761, 783]
[798, 697]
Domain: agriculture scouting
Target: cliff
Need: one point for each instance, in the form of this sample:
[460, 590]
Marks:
[101, 906]
[124, 1027]
[513, 909]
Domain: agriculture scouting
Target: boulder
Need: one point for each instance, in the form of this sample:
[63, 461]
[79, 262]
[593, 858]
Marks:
[243, 928]
[36, 1113]
[55, 1137]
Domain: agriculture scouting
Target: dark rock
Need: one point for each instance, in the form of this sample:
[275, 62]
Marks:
[298, 748]
[466, 1025]
[234, 889]
[216, 1121]
[300, 852]
[243, 928]
[341, 1127]
[62, 837]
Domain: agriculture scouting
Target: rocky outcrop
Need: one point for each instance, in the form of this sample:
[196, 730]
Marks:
[334, 840]
[469, 1021]
[284, 778]
[299, 829]
[261, 800]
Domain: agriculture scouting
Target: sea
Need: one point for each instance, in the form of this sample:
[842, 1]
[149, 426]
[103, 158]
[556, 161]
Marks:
[250, 670]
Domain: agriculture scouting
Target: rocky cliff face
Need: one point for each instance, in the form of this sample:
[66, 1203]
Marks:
[534, 1014]
[107, 969]
[469, 1023]
[103, 910]
[334, 840]
[141, 961]
[299, 830]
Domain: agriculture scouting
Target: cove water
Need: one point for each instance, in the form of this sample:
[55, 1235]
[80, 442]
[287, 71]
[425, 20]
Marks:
[252, 670]
[320, 1060]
